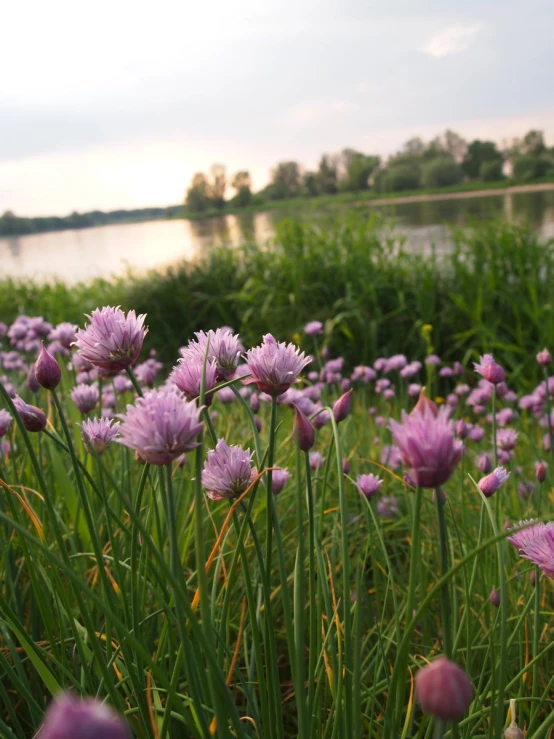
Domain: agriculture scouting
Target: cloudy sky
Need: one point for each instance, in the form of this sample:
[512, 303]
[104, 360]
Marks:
[117, 103]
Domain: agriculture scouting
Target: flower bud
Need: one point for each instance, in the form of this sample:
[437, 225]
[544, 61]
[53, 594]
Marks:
[489, 485]
[47, 370]
[513, 731]
[304, 432]
[32, 383]
[494, 598]
[345, 466]
[33, 418]
[540, 471]
[341, 407]
[443, 689]
[279, 479]
[424, 402]
[544, 358]
[69, 718]
[409, 480]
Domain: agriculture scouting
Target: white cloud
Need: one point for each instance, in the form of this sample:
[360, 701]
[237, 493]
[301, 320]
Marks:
[452, 40]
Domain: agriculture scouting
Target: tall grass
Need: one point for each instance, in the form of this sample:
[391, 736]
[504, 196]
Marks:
[495, 289]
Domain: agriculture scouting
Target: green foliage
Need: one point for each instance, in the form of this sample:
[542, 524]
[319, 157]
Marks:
[491, 171]
[477, 153]
[285, 181]
[399, 177]
[358, 169]
[495, 291]
[441, 172]
[327, 175]
[529, 167]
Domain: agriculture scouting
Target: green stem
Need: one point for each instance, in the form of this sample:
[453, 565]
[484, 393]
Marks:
[445, 590]
[269, 491]
[547, 399]
[134, 380]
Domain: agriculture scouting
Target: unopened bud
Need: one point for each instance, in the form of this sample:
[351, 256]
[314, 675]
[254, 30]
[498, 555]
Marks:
[47, 370]
[33, 418]
[304, 432]
[341, 407]
[513, 731]
[443, 689]
[345, 466]
[540, 471]
[424, 402]
[494, 598]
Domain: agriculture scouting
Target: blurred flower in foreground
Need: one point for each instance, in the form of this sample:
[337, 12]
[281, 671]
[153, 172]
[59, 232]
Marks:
[443, 689]
[227, 471]
[69, 717]
[316, 460]
[427, 445]
[279, 479]
[275, 366]
[112, 340]
[98, 433]
[160, 426]
[5, 420]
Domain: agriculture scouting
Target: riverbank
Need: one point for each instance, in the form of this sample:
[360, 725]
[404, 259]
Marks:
[11, 225]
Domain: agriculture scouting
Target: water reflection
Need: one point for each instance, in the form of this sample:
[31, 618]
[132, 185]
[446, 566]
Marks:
[100, 252]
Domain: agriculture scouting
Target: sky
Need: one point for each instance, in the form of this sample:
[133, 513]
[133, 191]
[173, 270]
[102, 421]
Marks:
[118, 103]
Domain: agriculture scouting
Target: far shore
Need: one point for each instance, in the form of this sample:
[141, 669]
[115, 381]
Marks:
[512, 190]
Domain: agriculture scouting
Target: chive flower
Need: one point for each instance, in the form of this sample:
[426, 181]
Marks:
[227, 471]
[112, 341]
[275, 366]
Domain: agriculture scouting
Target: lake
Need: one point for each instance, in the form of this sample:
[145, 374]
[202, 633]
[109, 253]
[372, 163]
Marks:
[75, 256]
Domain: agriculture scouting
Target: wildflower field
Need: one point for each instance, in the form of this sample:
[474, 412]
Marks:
[269, 540]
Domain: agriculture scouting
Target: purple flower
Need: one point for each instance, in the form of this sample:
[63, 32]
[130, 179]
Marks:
[112, 341]
[494, 598]
[5, 420]
[427, 445]
[446, 372]
[64, 333]
[489, 485]
[98, 433]
[484, 464]
[506, 439]
[316, 460]
[160, 426]
[224, 349]
[368, 485]
[476, 433]
[226, 395]
[121, 384]
[47, 370]
[33, 418]
[275, 366]
[410, 370]
[363, 374]
[85, 397]
[396, 362]
[544, 358]
[432, 360]
[69, 717]
[227, 471]
[536, 543]
[443, 689]
[489, 369]
[187, 376]
[147, 371]
[279, 478]
[387, 507]
[313, 328]
[414, 389]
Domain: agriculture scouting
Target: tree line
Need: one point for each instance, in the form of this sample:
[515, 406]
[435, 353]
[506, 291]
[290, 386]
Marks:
[447, 160]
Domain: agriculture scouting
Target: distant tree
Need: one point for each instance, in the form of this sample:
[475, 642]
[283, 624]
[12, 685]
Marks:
[310, 181]
[242, 184]
[491, 171]
[528, 167]
[533, 143]
[399, 177]
[441, 172]
[217, 186]
[327, 174]
[285, 181]
[197, 199]
[453, 145]
[478, 152]
[357, 168]
[414, 147]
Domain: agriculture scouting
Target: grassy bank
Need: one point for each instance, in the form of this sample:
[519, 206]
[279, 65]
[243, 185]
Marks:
[493, 291]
